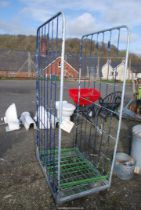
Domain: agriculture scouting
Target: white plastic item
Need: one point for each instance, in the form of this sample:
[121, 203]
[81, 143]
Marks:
[67, 125]
[27, 120]
[52, 119]
[58, 106]
[11, 118]
[136, 146]
[67, 110]
[45, 119]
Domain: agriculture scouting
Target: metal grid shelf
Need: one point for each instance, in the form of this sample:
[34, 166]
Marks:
[76, 170]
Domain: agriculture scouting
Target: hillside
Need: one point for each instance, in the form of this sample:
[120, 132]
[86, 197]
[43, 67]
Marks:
[28, 43]
[18, 42]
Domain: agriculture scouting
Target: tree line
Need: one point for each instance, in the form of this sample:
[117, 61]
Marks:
[28, 43]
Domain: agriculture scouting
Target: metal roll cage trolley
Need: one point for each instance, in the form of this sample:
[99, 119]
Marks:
[81, 162]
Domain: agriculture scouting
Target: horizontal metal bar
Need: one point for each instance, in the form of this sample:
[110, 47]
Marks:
[105, 30]
[61, 200]
[59, 13]
[83, 181]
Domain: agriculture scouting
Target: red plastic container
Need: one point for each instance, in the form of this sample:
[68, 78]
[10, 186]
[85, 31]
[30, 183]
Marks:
[87, 95]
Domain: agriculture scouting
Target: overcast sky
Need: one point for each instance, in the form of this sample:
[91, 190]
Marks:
[84, 16]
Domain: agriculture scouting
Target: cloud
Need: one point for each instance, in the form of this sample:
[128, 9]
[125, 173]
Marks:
[83, 24]
[4, 3]
[77, 24]
[53, 6]
[40, 10]
[14, 27]
[105, 13]
[38, 14]
[82, 16]
[123, 12]
[111, 11]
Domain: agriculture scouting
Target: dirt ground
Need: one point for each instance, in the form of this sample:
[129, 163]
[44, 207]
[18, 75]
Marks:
[22, 184]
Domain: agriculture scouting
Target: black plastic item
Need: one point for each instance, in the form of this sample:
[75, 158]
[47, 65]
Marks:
[109, 103]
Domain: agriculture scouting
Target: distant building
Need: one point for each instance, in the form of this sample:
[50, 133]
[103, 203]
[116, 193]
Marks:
[43, 46]
[91, 67]
[119, 72]
[21, 64]
[115, 70]
[138, 75]
[107, 71]
[54, 68]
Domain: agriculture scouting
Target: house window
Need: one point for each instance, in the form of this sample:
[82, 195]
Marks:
[59, 64]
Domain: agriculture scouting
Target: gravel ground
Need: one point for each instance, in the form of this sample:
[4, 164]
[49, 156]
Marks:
[22, 184]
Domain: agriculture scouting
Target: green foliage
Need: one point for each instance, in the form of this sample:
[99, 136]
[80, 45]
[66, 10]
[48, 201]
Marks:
[18, 42]
[135, 59]
[73, 46]
[28, 43]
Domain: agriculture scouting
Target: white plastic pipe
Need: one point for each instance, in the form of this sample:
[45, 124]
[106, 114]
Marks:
[27, 120]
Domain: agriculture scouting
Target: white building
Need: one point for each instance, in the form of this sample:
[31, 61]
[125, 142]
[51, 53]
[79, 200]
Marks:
[119, 72]
[107, 71]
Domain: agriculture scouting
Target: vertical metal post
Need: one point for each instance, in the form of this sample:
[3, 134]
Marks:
[61, 94]
[122, 102]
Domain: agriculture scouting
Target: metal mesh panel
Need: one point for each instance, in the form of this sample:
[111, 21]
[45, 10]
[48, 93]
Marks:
[49, 55]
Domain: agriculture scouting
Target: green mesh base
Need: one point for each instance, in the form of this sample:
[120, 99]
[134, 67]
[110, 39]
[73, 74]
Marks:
[77, 173]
